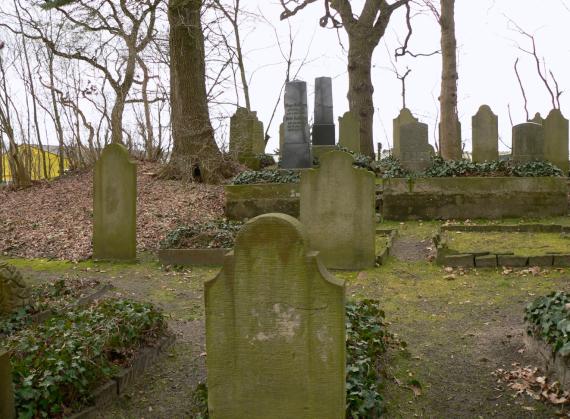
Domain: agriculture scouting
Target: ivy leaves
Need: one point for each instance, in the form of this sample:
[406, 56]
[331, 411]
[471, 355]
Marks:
[548, 319]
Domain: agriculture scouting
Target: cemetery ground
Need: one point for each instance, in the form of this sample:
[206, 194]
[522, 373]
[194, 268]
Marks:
[460, 327]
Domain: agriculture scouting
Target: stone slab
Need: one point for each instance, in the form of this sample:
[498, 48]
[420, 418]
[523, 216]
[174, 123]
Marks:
[487, 261]
[556, 140]
[349, 131]
[296, 151]
[323, 135]
[249, 201]
[561, 260]
[459, 261]
[546, 260]
[512, 261]
[528, 142]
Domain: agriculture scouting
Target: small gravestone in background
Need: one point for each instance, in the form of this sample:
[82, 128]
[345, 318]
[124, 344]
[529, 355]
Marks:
[485, 135]
[349, 131]
[13, 290]
[7, 403]
[323, 125]
[528, 142]
[296, 147]
[246, 136]
[275, 328]
[415, 150]
[114, 205]
[338, 211]
[405, 117]
[537, 119]
[556, 139]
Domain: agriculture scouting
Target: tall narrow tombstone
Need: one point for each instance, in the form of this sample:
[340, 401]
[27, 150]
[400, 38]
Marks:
[485, 135]
[246, 137]
[528, 142]
[115, 205]
[415, 150]
[556, 139]
[405, 117]
[296, 148]
[338, 210]
[7, 403]
[349, 131]
[323, 125]
[281, 139]
[275, 331]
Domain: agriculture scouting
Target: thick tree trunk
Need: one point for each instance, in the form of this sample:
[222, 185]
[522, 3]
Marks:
[449, 136]
[361, 90]
[195, 154]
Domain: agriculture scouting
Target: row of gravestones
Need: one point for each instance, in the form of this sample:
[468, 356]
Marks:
[246, 131]
[538, 139]
[275, 316]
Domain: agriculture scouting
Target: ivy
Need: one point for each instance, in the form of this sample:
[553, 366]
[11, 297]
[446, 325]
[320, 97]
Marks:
[266, 176]
[548, 319]
[58, 363]
[211, 235]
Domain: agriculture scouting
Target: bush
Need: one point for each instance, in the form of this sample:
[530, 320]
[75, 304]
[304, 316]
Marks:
[213, 235]
[548, 319]
[56, 364]
[266, 176]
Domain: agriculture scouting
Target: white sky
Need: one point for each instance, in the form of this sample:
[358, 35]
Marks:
[487, 49]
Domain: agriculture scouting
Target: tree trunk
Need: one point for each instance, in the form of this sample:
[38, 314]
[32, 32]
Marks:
[195, 154]
[360, 91]
[449, 136]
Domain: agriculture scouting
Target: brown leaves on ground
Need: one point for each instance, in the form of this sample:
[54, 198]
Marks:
[54, 219]
[528, 381]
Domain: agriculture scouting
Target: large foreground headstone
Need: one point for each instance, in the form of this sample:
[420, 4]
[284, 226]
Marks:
[485, 135]
[13, 291]
[275, 328]
[296, 147]
[528, 142]
[114, 205]
[556, 139]
[246, 135]
[405, 117]
[338, 210]
[349, 131]
[323, 125]
[415, 150]
[7, 404]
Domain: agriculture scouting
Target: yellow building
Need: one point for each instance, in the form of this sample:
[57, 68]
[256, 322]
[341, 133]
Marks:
[33, 160]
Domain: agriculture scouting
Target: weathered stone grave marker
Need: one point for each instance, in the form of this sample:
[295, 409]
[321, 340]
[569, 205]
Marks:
[7, 403]
[405, 117]
[114, 205]
[275, 328]
[537, 119]
[415, 150]
[349, 131]
[485, 135]
[528, 142]
[13, 290]
[323, 125]
[246, 136]
[555, 128]
[296, 147]
[338, 210]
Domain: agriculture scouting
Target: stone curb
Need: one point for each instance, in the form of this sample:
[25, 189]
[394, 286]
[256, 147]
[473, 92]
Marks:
[522, 228]
[382, 257]
[117, 386]
[558, 366]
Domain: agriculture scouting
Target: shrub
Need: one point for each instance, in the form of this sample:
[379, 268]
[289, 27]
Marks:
[266, 176]
[212, 235]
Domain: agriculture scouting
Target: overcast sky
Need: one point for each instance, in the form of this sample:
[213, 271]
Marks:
[487, 49]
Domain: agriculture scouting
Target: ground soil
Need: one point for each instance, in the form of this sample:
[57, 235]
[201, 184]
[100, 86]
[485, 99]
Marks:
[459, 330]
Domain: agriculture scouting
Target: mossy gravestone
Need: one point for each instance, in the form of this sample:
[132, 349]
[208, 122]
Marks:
[246, 136]
[275, 328]
[485, 133]
[528, 142]
[405, 117]
[338, 209]
[349, 131]
[7, 405]
[556, 139]
[114, 205]
[13, 291]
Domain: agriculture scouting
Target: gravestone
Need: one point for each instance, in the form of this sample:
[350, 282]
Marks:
[485, 135]
[246, 136]
[323, 125]
[13, 290]
[349, 131]
[296, 147]
[7, 403]
[555, 128]
[415, 150]
[537, 119]
[114, 205]
[405, 117]
[338, 211]
[528, 142]
[275, 328]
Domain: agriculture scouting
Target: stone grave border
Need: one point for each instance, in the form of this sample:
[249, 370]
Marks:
[192, 257]
[484, 259]
[382, 256]
[553, 363]
[124, 379]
